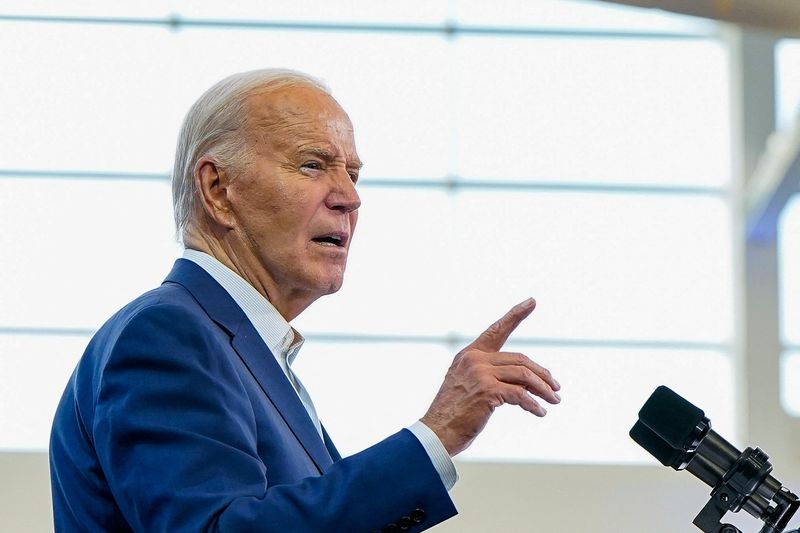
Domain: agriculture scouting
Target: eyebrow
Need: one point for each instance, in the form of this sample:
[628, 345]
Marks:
[327, 155]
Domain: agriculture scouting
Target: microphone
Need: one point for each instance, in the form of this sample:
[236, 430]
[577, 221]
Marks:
[679, 435]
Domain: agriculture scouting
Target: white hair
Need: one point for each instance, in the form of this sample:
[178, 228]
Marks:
[215, 126]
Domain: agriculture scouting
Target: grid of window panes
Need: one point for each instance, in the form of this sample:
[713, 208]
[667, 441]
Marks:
[789, 246]
[787, 85]
[571, 151]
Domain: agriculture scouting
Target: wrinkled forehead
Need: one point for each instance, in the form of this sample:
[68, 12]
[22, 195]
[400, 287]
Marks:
[299, 114]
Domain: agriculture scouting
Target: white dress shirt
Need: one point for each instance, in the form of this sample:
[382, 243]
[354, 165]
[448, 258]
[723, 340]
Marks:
[285, 342]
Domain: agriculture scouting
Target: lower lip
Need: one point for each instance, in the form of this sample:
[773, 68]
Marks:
[337, 250]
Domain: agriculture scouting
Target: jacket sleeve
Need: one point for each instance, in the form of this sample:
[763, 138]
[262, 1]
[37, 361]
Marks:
[174, 432]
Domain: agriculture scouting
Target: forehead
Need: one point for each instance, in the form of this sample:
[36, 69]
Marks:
[299, 115]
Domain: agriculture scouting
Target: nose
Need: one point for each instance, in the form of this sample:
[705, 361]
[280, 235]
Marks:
[343, 196]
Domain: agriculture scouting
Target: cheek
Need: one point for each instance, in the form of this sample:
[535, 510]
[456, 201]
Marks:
[290, 214]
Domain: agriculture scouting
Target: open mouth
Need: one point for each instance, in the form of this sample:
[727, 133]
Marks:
[335, 239]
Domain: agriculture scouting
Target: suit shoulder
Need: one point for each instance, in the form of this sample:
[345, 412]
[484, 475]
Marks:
[168, 299]
[167, 315]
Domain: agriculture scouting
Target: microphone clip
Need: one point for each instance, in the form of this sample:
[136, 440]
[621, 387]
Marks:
[708, 520]
[744, 486]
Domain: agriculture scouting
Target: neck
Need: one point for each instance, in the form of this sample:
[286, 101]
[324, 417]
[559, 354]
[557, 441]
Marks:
[287, 304]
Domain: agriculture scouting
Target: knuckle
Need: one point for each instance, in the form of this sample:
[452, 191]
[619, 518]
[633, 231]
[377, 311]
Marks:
[520, 395]
[495, 401]
[462, 359]
[486, 382]
[519, 359]
[473, 358]
[495, 328]
[528, 375]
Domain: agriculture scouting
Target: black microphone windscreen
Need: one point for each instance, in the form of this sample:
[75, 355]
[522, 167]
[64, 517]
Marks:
[671, 417]
[658, 448]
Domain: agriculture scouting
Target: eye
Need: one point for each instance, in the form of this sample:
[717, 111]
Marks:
[312, 165]
[353, 176]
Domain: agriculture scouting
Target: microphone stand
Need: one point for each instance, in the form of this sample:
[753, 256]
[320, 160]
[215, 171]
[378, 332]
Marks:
[746, 485]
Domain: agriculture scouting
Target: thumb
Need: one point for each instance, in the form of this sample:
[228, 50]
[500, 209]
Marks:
[496, 335]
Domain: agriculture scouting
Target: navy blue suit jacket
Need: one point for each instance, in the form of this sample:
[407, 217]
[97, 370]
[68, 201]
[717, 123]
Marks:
[178, 418]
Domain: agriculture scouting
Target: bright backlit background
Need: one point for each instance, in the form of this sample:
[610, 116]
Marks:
[787, 58]
[569, 151]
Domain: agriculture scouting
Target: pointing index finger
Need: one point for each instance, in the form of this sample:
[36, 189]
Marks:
[497, 334]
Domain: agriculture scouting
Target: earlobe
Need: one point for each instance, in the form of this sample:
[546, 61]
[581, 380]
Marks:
[212, 189]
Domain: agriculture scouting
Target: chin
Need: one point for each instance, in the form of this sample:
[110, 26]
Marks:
[331, 281]
[323, 281]
[324, 287]
[334, 287]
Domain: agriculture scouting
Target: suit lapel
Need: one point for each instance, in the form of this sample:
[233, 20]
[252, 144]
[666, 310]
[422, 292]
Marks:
[262, 364]
[335, 455]
[247, 343]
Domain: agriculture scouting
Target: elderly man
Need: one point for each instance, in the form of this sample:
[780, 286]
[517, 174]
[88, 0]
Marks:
[184, 413]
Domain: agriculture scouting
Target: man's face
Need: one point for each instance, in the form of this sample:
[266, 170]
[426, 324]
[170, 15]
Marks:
[296, 204]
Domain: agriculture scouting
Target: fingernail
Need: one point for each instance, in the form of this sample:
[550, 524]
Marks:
[558, 397]
[527, 303]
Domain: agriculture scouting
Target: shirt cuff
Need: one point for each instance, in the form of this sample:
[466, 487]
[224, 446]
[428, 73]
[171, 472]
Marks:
[437, 453]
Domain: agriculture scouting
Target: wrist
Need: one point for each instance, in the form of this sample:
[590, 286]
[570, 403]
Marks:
[444, 436]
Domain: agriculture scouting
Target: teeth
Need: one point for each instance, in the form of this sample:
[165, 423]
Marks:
[330, 240]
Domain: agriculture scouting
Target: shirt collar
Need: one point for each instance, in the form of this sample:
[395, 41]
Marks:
[281, 338]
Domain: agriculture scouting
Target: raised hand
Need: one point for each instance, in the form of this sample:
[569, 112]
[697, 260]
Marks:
[482, 378]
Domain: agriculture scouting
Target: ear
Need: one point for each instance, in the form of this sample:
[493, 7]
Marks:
[212, 188]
